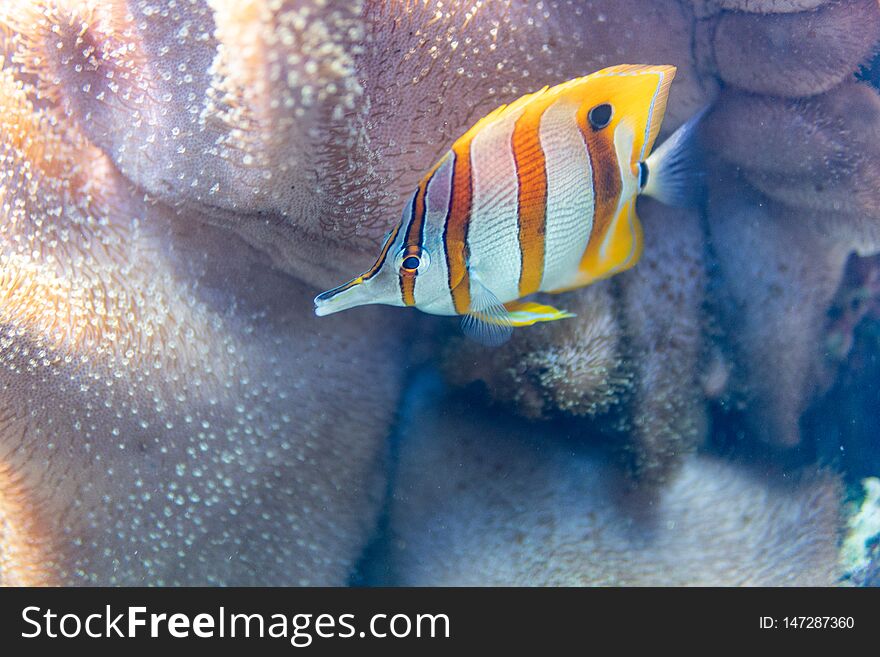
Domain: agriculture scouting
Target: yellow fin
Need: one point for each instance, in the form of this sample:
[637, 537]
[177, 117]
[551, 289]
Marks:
[615, 250]
[526, 313]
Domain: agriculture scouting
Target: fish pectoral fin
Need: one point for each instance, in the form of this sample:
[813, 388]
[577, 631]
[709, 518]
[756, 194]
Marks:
[487, 321]
[526, 313]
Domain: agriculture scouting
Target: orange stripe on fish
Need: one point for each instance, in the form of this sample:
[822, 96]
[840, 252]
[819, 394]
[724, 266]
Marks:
[532, 197]
[413, 241]
[606, 173]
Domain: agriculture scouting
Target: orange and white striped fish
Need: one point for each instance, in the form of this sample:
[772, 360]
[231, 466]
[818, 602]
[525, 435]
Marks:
[538, 196]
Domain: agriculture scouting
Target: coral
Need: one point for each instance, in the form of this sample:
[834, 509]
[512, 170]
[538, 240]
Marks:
[795, 54]
[843, 424]
[171, 411]
[822, 157]
[780, 260]
[662, 301]
[706, 7]
[857, 299]
[483, 500]
[778, 286]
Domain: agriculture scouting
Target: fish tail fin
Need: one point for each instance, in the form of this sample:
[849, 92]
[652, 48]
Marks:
[675, 174]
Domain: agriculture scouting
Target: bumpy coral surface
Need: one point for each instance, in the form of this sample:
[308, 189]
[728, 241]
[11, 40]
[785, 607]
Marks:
[179, 177]
[172, 412]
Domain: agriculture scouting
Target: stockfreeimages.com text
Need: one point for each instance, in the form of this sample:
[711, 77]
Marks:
[299, 629]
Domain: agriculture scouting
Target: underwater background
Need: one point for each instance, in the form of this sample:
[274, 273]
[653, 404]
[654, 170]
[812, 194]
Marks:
[179, 178]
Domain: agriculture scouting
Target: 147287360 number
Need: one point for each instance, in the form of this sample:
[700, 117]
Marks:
[818, 622]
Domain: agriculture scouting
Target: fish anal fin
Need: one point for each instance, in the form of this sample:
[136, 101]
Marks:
[526, 313]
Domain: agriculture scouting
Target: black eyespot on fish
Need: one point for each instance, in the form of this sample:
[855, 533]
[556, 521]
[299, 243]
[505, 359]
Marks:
[600, 116]
[410, 263]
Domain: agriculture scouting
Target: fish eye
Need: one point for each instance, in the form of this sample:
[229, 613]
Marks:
[600, 116]
[411, 263]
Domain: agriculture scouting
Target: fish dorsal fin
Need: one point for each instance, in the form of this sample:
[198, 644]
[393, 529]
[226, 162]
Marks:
[487, 321]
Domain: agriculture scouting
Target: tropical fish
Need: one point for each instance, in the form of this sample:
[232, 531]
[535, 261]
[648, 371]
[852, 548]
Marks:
[538, 196]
